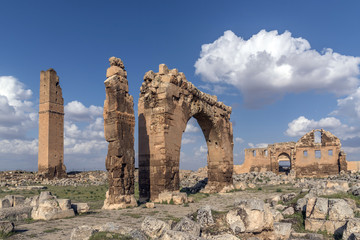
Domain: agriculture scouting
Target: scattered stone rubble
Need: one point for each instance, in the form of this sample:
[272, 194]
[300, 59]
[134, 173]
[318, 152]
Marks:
[40, 207]
[22, 180]
[321, 213]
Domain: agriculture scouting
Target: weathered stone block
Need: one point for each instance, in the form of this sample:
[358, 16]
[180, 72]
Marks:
[5, 203]
[119, 122]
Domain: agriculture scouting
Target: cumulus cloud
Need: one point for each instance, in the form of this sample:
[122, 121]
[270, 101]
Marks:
[191, 126]
[17, 113]
[258, 145]
[349, 106]
[84, 131]
[300, 126]
[269, 65]
[239, 140]
[19, 147]
[86, 140]
[76, 111]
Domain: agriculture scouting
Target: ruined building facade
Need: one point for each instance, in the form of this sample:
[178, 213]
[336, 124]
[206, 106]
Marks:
[119, 124]
[308, 157]
[167, 102]
[51, 127]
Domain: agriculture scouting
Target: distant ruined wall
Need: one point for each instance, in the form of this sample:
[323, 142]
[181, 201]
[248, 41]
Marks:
[281, 152]
[167, 102]
[307, 157]
[258, 159]
[51, 127]
[119, 124]
[327, 162]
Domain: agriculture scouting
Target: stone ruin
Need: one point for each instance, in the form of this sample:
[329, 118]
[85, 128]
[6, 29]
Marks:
[308, 157]
[119, 124]
[51, 127]
[167, 102]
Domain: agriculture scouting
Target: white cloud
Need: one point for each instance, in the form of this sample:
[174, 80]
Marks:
[187, 140]
[191, 126]
[14, 91]
[201, 151]
[76, 111]
[300, 126]
[258, 145]
[239, 140]
[269, 65]
[84, 130]
[86, 140]
[19, 147]
[215, 88]
[17, 114]
[349, 106]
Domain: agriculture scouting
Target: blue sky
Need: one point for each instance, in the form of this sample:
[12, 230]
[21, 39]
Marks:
[284, 66]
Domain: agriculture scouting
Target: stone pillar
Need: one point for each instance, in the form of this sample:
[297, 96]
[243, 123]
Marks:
[119, 124]
[51, 127]
[342, 161]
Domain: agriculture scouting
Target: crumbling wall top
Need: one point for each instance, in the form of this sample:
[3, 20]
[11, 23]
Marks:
[327, 139]
[152, 82]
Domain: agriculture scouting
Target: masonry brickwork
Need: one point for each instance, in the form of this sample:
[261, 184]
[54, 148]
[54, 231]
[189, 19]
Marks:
[167, 102]
[307, 157]
[51, 127]
[119, 124]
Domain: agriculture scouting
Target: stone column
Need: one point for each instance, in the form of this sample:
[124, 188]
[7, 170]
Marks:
[119, 124]
[51, 127]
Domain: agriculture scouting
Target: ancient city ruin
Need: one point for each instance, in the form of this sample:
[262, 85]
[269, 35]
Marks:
[167, 102]
[51, 127]
[310, 156]
[119, 124]
[256, 199]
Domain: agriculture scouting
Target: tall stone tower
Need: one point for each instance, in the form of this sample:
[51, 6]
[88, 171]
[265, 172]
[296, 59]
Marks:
[51, 127]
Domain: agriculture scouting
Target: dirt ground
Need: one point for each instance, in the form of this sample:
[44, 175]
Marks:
[61, 229]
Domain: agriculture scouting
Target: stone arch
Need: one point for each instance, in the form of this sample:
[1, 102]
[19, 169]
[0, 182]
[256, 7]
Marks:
[283, 157]
[167, 102]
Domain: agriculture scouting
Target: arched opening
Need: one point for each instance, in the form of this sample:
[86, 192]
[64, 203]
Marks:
[193, 158]
[193, 151]
[284, 163]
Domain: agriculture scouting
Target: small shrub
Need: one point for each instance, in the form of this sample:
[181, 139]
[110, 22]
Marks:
[259, 188]
[278, 190]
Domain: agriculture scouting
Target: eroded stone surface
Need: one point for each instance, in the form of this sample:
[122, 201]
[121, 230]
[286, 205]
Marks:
[51, 127]
[167, 102]
[119, 123]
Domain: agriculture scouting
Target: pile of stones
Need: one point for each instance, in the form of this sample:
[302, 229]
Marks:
[19, 179]
[40, 207]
